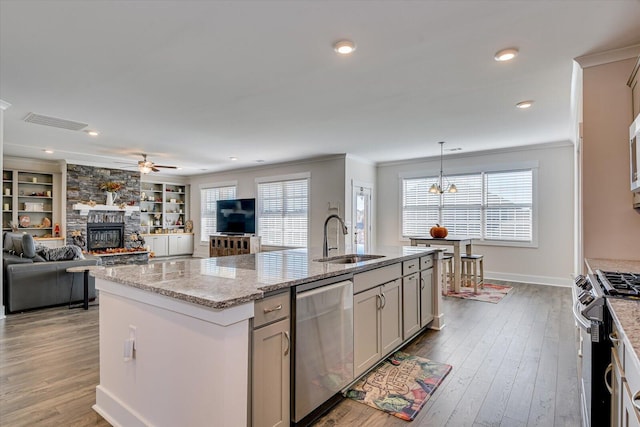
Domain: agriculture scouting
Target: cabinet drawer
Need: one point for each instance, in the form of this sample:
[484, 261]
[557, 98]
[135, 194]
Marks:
[426, 262]
[410, 266]
[631, 369]
[271, 309]
[375, 277]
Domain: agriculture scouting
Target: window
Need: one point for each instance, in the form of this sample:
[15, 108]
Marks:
[492, 206]
[283, 212]
[208, 199]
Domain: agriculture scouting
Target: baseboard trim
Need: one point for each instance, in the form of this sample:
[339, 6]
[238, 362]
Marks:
[115, 411]
[490, 277]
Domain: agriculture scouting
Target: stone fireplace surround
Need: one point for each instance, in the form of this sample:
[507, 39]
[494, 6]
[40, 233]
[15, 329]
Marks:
[83, 185]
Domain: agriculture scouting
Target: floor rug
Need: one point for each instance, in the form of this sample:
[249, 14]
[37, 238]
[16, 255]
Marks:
[401, 385]
[490, 293]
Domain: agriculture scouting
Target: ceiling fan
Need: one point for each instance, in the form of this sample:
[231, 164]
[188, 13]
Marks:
[145, 166]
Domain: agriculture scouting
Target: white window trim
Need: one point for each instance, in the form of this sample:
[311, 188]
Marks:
[286, 177]
[487, 168]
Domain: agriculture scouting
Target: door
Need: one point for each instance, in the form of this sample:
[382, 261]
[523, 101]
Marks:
[391, 316]
[366, 340]
[361, 209]
[426, 297]
[271, 352]
[411, 304]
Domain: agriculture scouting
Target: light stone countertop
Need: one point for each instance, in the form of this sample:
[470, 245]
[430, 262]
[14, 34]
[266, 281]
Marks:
[224, 282]
[625, 312]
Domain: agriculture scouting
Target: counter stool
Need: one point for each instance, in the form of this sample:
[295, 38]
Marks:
[447, 272]
[472, 271]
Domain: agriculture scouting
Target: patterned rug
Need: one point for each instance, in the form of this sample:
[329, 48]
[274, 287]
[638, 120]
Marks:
[401, 385]
[490, 293]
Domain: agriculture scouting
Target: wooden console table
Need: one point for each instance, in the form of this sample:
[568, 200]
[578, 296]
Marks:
[222, 245]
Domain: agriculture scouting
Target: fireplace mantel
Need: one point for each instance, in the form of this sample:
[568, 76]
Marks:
[84, 208]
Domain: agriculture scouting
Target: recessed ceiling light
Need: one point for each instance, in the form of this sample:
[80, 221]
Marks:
[454, 149]
[506, 54]
[260, 161]
[233, 158]
[344, 47]
[524, 104]
[48, 151]
[92, 132]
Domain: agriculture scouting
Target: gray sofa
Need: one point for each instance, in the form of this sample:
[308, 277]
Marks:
[32, 282]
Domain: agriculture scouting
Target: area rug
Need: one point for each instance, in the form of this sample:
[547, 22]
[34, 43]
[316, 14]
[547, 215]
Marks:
[401, 385]
[490, 293]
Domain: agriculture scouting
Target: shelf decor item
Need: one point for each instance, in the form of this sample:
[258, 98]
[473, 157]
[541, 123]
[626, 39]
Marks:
[25, 221]
[112, 189]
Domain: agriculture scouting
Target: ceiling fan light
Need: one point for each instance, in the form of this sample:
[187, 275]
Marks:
[144, 168]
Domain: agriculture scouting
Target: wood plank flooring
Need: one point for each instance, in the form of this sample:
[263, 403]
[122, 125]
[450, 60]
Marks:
[514, 364]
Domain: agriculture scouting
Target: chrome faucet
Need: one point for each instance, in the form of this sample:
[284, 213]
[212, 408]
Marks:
[325, 245]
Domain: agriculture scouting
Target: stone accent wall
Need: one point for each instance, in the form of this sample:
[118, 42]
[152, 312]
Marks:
[83, 186]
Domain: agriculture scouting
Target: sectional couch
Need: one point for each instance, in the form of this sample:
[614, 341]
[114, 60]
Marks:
[31, 281]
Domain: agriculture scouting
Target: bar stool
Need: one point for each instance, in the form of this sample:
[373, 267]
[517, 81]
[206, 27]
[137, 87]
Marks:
[472, 271]
[447, 272]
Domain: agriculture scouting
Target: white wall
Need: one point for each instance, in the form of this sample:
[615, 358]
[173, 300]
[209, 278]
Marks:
[327, 189]
[551, 262]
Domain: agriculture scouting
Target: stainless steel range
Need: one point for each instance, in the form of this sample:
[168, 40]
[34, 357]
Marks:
[594, 347]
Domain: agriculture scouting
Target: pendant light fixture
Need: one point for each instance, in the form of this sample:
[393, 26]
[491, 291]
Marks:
[438, 187]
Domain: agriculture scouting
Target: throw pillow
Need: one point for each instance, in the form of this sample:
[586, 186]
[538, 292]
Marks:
[28, 246]
[65, 253]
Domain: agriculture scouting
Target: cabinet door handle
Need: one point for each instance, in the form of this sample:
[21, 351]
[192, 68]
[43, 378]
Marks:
[634, 401]
[286, 335]
[613, 336]
[384, 301]
[606, 382]
[378, 302]
[421, 282]
[272, 309]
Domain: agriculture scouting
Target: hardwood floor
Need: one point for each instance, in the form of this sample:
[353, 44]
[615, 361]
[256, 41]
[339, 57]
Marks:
[514, 364]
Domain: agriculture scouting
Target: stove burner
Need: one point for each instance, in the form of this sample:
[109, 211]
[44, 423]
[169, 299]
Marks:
[620, 284]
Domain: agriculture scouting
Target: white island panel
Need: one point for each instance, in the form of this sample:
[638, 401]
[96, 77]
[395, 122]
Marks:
[202, 355]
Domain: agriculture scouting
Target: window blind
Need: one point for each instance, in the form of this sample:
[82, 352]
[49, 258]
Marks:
[208, 199]
[283, 208]
[509, 205]
[488, 205]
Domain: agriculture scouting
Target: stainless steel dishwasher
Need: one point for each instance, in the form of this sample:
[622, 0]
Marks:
[323, 342]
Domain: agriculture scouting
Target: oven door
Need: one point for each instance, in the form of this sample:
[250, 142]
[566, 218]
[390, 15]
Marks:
[594, 355]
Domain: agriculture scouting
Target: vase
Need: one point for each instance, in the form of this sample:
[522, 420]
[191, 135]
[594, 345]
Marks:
[111, 197]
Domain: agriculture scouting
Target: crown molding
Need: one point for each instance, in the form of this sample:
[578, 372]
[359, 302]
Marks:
[608, 56]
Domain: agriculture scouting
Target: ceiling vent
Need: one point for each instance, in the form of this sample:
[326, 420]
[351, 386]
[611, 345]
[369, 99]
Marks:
[54, 122]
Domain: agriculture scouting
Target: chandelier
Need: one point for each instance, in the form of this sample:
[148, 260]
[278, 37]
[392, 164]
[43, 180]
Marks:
[438, 187]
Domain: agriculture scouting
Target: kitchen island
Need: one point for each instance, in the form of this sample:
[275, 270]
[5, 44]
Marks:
[175, 335]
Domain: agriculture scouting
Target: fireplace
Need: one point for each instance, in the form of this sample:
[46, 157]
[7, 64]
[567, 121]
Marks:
[102, 236]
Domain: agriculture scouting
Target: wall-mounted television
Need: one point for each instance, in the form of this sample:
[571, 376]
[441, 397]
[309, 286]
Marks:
[236, 216]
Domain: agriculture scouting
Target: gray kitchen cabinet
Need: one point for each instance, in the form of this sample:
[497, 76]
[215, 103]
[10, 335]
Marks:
[391, 316]
[426, 297]
[377, 317]
[270, 363]
[411, 304]
[367, 348]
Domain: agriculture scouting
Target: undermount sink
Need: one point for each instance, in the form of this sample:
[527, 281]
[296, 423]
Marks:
[349, 259]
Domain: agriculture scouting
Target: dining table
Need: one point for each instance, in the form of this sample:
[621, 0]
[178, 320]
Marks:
[459, 244]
